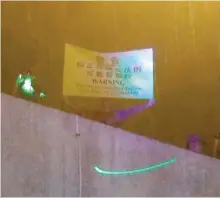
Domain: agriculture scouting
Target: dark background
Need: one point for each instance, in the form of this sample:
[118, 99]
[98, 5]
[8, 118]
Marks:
[186, 41]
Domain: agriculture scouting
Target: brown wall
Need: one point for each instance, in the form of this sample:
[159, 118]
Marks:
[185, 36]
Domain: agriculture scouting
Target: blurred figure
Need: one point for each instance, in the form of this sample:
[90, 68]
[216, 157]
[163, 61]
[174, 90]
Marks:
[216, 145]
[194, 143]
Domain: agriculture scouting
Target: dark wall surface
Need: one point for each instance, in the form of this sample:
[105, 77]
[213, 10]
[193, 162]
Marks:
[185, 37]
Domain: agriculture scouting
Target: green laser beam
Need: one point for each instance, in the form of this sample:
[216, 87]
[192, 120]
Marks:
[135, 171]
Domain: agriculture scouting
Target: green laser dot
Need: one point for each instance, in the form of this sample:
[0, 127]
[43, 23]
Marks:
[20, 80]
[27, 88]
[42, 95]
[25, 84]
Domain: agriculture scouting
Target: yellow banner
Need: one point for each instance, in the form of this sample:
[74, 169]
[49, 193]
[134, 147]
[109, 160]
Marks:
[108, 75]
[77, 60]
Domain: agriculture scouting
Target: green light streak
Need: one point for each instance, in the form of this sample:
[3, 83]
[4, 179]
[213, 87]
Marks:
[135, 171]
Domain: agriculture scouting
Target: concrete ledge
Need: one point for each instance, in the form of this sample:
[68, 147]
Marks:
[40, 158]
[39, 150]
